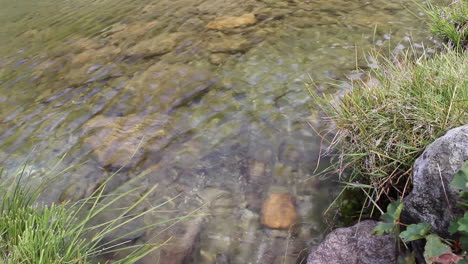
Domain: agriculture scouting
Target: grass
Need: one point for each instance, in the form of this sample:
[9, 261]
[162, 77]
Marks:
[450, 24]
[384, 123]
[62, 233]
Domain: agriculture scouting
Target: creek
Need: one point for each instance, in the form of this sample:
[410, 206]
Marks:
[207, 99]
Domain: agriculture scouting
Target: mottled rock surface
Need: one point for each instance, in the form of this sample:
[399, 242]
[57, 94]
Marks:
[355, 245]
[229, 45]
[432, 199]
[122, 141]
[158, 45]
[164, 87]
[227, 22]
[179, 243]
[279, 211]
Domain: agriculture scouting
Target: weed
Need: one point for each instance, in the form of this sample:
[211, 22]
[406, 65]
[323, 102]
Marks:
[63, 233]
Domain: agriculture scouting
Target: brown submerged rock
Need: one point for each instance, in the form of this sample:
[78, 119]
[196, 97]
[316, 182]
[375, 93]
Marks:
[233, 44]
[167, 86]
[122, 141]
[227, 22]
[279, 211]
[158, 45]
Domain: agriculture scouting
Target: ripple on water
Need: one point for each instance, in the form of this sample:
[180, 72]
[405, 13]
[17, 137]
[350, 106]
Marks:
[205, 98]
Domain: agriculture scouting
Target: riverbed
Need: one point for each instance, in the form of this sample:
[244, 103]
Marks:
[207, 99]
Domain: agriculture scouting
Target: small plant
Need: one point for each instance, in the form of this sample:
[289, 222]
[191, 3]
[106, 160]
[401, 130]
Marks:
[437, 250]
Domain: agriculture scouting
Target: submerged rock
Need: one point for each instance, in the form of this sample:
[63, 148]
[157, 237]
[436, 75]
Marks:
[227, 22]
[179, 243]
[279, 211]
[218, 58]
[432, 199]
[355, 244]
[229, 44]
[122, 141]
[158, 45]
[165, 87]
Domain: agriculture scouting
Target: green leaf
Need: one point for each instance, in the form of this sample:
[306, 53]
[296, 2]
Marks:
[463, 223]
[393, 211]
[464, 242]
[460, 179]
[383, 228]
[434, 247]
[390, 218]
[415, 231]
[453, 227]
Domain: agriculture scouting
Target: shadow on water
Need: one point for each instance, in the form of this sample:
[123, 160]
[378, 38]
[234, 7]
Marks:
[209, 106]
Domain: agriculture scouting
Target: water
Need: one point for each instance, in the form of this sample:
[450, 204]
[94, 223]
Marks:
[219, 119]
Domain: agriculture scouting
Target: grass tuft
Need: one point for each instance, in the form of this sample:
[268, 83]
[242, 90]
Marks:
[64, 233]
[450, 23]
[383, 124]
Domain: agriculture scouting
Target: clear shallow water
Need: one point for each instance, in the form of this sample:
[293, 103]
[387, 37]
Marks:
[218, 119]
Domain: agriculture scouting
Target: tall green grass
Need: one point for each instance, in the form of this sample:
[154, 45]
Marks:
[62, 233]
[383, 124]
[450, 23]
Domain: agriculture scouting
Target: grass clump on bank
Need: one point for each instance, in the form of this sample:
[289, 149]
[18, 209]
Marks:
[450, 24]
[62, 233]
[381, 126]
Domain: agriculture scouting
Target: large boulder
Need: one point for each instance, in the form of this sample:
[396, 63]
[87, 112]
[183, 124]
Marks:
[432, 199]
[355, 245]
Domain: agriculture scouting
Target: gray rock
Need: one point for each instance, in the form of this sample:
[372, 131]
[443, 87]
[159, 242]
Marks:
[355, 245]
[432, 199]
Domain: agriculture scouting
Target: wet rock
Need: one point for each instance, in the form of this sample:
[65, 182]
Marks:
[218, 58]
[222, 259]
[122, 141]
[121, 32]
[156, 46]
[355, 244]
[181, 242]
[192, 24]
[95, 55]
[168, 86]
[229, 44]
[432, 199]
[228, 22]
[279, 211]
[219, 202]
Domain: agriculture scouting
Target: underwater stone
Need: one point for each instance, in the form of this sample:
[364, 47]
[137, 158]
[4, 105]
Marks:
[279, 211]
[227, 22]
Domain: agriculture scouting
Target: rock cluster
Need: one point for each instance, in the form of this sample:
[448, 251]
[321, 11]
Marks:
[432, 200]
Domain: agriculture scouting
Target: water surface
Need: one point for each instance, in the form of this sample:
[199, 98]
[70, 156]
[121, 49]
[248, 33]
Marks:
[219, 119]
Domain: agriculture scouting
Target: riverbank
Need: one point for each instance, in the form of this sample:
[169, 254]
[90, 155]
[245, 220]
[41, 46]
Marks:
[386, 121]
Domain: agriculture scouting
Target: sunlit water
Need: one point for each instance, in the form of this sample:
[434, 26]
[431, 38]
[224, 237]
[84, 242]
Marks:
[219, 119]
